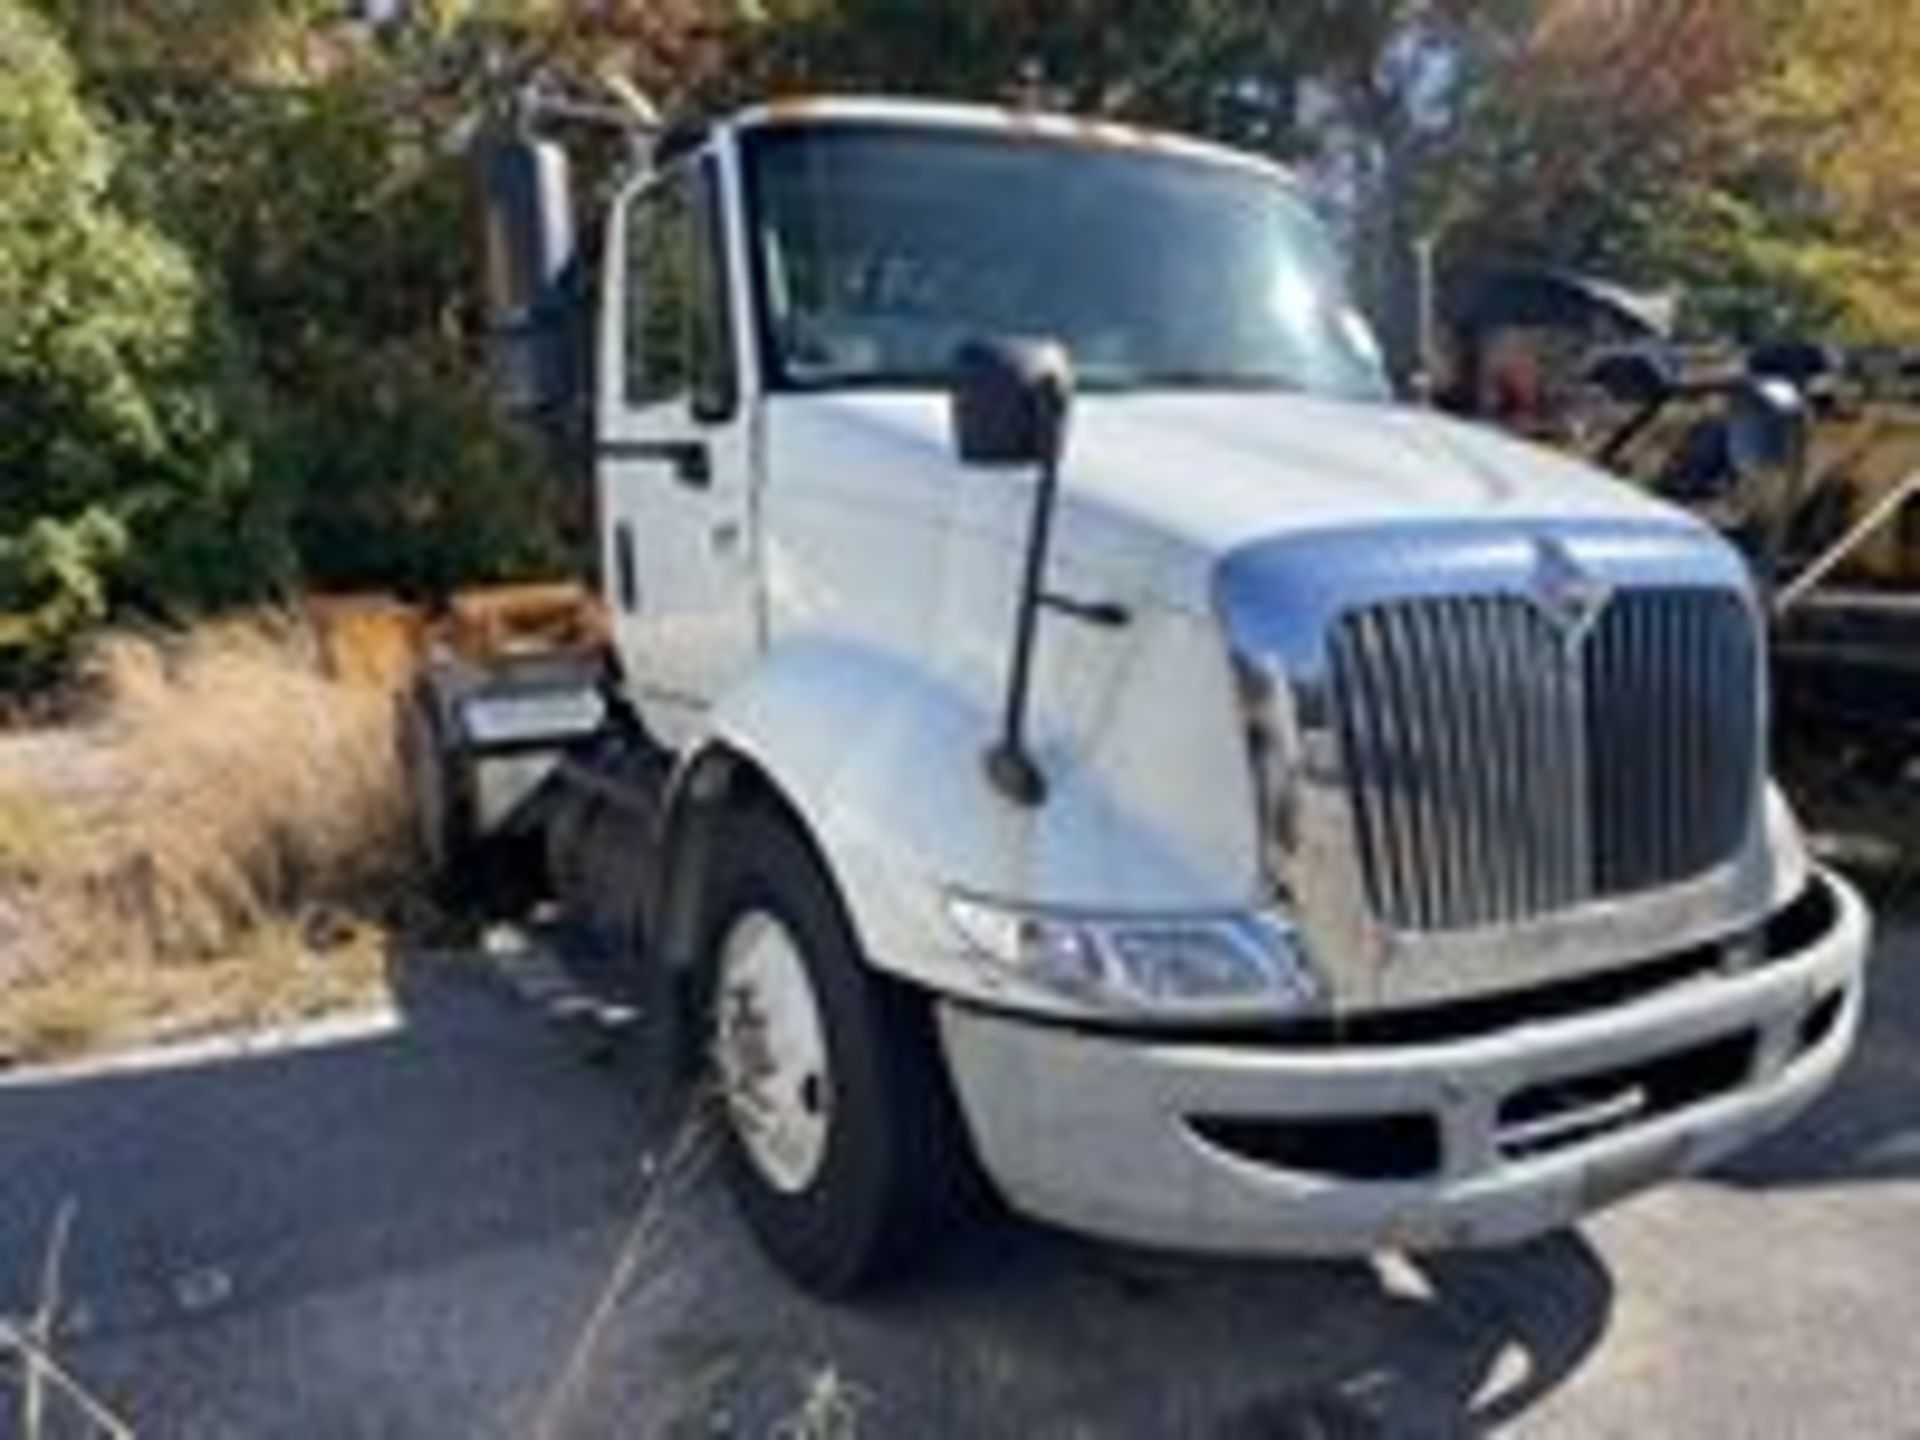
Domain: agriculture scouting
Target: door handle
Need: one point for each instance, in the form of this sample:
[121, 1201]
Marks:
[688, 459]
[690, 462]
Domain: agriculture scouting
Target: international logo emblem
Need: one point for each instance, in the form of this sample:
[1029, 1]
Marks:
[1569, 595]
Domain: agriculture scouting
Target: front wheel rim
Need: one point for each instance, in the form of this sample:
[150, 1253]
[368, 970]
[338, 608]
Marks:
[770, 1050]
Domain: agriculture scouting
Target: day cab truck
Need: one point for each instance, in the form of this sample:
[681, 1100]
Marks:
[1060, 721]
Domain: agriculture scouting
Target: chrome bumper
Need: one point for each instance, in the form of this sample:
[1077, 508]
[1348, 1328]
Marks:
[1345, 1149]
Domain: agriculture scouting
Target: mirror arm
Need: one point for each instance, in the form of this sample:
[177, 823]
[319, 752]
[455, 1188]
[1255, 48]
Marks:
[1102, 614]
[1010, 764]
[1630, 430]
[1779, 530]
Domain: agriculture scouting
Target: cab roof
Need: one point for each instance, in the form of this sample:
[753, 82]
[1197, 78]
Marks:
[828, 110]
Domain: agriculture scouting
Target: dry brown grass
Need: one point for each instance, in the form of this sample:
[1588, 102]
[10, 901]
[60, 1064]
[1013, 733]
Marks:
[219, 844]
[275, 976]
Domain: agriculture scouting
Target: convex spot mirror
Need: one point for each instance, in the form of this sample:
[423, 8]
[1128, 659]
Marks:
[1806, 364]
[1010, 401]
[1766, 426]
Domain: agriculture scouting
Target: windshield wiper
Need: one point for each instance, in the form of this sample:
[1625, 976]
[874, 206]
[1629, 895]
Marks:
[1189, 380]
[1221, 380]
[825, 379]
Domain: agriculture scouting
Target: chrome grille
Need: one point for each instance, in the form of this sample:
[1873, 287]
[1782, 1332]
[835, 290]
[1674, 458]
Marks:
[1497, 770]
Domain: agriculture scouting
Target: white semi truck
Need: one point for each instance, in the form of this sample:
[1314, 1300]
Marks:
[1141, 764]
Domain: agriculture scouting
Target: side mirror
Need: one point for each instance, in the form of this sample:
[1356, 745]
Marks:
[529, 246]
[1766, 426]
[1010, 401]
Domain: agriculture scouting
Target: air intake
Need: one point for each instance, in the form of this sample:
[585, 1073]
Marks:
[1503, 765]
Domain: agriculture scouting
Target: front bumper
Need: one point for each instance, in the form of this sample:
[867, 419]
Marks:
[1345, 1149]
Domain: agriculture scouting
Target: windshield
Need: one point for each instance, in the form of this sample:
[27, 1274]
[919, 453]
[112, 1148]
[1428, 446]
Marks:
[879, 250]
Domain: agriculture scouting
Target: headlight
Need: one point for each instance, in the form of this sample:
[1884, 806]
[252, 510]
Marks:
[1229, 965]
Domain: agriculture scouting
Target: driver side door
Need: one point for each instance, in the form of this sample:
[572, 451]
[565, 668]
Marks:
[676, 458]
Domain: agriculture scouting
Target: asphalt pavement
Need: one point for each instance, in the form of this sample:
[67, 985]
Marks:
[457, 1222]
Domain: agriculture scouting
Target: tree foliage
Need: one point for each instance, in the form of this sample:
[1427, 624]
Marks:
[1581, 120]
[1757, 154]
[304, 168]
[1803, 221]
[115, 399]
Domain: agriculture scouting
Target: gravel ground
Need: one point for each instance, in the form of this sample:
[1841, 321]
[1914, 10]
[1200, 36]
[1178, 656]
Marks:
[406, 1231]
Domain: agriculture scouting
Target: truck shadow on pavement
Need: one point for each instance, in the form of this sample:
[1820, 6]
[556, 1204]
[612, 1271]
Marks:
[407, 1231]
[1019, 1332]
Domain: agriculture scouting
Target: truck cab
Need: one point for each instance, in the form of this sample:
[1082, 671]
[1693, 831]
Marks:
[1395, 863]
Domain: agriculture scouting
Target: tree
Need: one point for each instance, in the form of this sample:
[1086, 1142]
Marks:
[114, 446]
[1804, 223]
[1758, 154]
[1584, 120]
[1224, 69]
[307, 167]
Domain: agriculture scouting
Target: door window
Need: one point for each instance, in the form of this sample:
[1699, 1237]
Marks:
[679, 340]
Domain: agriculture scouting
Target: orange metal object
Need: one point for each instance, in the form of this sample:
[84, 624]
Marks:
[497, 621]
[379, 639]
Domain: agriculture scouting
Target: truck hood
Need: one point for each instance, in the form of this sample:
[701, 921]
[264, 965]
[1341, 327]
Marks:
[1222, 470]
[1175, 481]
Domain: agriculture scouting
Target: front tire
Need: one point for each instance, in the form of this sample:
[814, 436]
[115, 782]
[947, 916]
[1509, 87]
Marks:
[842, 1147]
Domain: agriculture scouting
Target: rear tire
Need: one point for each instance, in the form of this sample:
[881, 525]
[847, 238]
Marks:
[843, 1148]
[440, 791]
[470, 874]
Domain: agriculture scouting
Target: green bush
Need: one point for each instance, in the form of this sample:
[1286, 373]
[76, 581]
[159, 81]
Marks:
[52, 591]
[332, 223]
[119, 454]
[241, 333]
